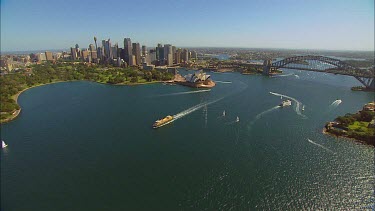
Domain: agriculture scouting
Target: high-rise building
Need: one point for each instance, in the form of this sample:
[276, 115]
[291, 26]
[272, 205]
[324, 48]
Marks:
[160, 54]
[185, 55]
[115, 51]
[168, 54]
[107, 49]
[85, 55]
[73, 53]
[49, 56]
[100, 53]
[137, 53]
[177, 59]
[93, 52]
[132, 61]
[127, 50]
[144, 51]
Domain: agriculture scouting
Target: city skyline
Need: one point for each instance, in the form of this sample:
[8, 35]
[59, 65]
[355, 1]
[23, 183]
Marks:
[333, 25]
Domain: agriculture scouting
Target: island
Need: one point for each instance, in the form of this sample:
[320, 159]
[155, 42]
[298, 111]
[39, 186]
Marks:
[359, 126]
[12, 85]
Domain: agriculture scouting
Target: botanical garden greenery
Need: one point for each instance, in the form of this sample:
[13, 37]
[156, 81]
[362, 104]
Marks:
[39, 74]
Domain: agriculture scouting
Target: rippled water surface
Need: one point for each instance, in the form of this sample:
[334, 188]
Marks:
[88, 146]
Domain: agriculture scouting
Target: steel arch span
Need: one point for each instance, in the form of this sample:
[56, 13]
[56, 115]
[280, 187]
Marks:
[322, 64]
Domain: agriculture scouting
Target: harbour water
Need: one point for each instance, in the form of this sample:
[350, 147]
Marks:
[89, 146]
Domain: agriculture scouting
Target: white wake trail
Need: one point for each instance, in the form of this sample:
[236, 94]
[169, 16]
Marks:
[224, 82]
[184, 93]
[321, 146]
[192, 109]
[298, 103]
[284, 75]
[258, 116]
[336, 103]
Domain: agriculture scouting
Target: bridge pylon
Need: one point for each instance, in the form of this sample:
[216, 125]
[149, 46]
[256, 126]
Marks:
[267, 67]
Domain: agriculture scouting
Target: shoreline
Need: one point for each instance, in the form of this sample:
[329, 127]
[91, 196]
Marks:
[16, 113]
[325, 132]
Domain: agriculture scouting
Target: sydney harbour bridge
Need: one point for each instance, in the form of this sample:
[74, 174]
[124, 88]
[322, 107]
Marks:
[322, 64]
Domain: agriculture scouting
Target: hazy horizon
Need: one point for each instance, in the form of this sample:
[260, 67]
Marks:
[342, 25]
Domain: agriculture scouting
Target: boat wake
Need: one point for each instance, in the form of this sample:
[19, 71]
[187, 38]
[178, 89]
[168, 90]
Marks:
[335, 103]
[184, 93]
[224, 82]
[192, 109]
[296, 76]
[321, 146]
[276, 76]
[298, 106]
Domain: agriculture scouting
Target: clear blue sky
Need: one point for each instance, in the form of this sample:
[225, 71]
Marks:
[312, 24]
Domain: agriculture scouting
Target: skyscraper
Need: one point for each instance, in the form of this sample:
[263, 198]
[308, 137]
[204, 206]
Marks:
[107, 49]
[185, 55]
[137, 53]
[73, 53]
[127, 50]
[168, 54]
[144, 51]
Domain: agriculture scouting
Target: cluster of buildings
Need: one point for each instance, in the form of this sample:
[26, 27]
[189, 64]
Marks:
[132, 54]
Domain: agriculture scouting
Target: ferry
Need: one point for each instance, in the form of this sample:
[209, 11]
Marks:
[161, 122]
[285, 103]
[303, 108]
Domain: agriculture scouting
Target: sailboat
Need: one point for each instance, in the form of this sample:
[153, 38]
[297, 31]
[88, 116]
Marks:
[238, 119]
[3, 144]
[224, 113]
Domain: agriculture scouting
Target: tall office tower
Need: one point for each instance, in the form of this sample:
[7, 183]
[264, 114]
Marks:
[93, 53]
[144, 51]
[127, 50]
[160, 54]
[41, 57]
[177, 59]
[185, 55]
[49, 56]
[137, 53]
[78, 51]
[152, 56]
[194, 55]
[106, 44]
[73, 53]
[168, 56]
[114, 51]
[173, 50]
[100, 53]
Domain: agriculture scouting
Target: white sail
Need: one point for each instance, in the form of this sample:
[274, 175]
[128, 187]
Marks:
[3, 145]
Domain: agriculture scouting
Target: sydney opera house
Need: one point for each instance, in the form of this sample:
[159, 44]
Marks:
[197, 80]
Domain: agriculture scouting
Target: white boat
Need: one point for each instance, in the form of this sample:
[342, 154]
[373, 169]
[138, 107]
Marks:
[285, 103]
[3, 144]
[224, 113]
[238, 119]
[303, 108]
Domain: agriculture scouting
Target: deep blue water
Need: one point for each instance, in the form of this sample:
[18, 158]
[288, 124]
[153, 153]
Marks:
[88, 146]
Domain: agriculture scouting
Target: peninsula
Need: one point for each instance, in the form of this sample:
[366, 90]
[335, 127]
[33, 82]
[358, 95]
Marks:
[359, 126]
[12, 85]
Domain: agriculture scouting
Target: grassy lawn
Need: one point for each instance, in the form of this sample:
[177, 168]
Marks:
[359, 126]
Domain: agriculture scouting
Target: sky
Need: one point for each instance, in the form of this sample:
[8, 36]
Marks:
[291, 24]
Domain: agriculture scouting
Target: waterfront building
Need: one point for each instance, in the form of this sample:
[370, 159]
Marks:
[170, 60]
[137, 53]
[49, 56]
[178, 53]
[127, 50]
[185, 55]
